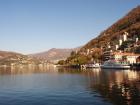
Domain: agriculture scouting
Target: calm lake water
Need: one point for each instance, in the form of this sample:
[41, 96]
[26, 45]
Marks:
[24, 86]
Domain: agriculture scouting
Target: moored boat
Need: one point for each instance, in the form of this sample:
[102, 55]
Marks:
[96, 65]
[112, 64]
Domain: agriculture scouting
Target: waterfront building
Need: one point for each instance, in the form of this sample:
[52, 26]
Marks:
[127, 57]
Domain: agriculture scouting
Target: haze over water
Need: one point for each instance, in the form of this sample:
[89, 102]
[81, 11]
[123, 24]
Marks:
[69, 87]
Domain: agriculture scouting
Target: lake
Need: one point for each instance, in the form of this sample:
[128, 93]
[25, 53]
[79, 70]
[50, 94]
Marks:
[35, 86]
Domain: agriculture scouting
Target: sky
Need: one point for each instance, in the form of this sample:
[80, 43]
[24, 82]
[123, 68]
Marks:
[31, 26]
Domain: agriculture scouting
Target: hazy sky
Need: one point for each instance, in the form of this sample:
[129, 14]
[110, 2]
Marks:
[29, 26]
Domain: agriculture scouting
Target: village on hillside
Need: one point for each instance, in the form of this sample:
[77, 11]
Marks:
[125, 50]
[121, 52]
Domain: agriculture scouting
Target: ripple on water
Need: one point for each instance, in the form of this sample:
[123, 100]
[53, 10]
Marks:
[69, 87]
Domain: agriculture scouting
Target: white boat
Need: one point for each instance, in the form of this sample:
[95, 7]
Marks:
[112, 64]
[96, 65]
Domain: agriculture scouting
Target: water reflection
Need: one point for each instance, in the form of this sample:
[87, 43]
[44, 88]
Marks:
[27, 69]
[119, 87]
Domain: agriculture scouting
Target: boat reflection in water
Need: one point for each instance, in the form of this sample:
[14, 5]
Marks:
[49, 85]
[121, 87]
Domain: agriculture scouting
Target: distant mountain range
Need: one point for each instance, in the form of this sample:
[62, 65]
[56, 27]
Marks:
[7, 54]
[54, 54]
[7, 57]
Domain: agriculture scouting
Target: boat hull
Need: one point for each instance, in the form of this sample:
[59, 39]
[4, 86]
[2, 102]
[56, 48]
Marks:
[93, 66]
[115, 67]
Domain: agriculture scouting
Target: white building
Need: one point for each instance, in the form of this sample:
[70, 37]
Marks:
[128, 57]
[132, 58]
[109, 46]
[120, 42]
[125, 36]
[137, 39]
[88, 51]
[117, 46]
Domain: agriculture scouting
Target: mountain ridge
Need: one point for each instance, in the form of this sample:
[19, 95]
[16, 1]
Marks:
[54, 54]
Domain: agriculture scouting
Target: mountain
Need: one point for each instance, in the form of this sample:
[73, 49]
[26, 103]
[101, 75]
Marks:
[130, 24]
[54, 54]
[6, 54]
[8, 58]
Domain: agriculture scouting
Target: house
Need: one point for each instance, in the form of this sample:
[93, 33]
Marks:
[116, 47]
[127, 57]
[120, 42]
[125, 36]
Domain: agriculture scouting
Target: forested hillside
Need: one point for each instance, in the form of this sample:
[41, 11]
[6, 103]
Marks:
[130, 23]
